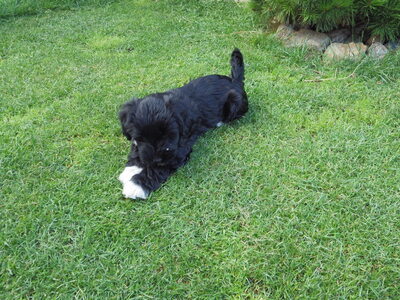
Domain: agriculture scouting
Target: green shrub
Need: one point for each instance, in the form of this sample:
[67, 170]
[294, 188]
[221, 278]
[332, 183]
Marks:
[376, 17]
[25, 7]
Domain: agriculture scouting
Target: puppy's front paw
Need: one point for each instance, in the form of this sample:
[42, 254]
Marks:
[133, 190]
[128, 173]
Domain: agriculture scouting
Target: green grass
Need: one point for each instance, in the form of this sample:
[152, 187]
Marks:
[10, 8]
[298, 200]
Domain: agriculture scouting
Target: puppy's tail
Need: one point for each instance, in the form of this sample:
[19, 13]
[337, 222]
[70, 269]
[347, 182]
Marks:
[237, 73]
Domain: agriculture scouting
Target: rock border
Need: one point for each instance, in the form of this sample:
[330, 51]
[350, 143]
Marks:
[336, 44]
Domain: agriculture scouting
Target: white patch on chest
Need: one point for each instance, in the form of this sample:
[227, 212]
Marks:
[219, 124]
[167, 97]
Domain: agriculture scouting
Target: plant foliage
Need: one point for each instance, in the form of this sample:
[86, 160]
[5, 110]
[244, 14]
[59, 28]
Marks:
[376, 17]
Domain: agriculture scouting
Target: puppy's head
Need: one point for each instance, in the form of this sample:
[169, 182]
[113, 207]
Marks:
[152, 128]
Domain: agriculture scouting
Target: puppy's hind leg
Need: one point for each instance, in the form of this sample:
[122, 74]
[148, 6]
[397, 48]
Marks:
[235, 106]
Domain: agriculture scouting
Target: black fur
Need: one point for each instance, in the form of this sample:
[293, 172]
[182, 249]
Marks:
[165, 126]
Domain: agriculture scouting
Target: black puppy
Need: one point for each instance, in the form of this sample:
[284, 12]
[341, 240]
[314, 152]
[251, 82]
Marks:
[163, 127]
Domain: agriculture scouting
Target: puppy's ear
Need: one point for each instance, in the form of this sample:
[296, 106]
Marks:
[233, 106]
[125, 116]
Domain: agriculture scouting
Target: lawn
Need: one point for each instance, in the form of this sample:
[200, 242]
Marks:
[297, 200]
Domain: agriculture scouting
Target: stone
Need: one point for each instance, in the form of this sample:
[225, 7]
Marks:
[357, 49]
[284, 31]
[377, 50]
[339, 35]
[393, 45]
[273, 24]
[337, 51]
[308, 38]
[374, 39]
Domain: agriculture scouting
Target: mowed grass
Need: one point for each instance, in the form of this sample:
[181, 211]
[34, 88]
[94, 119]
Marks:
[297, 200]
[12, 8]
